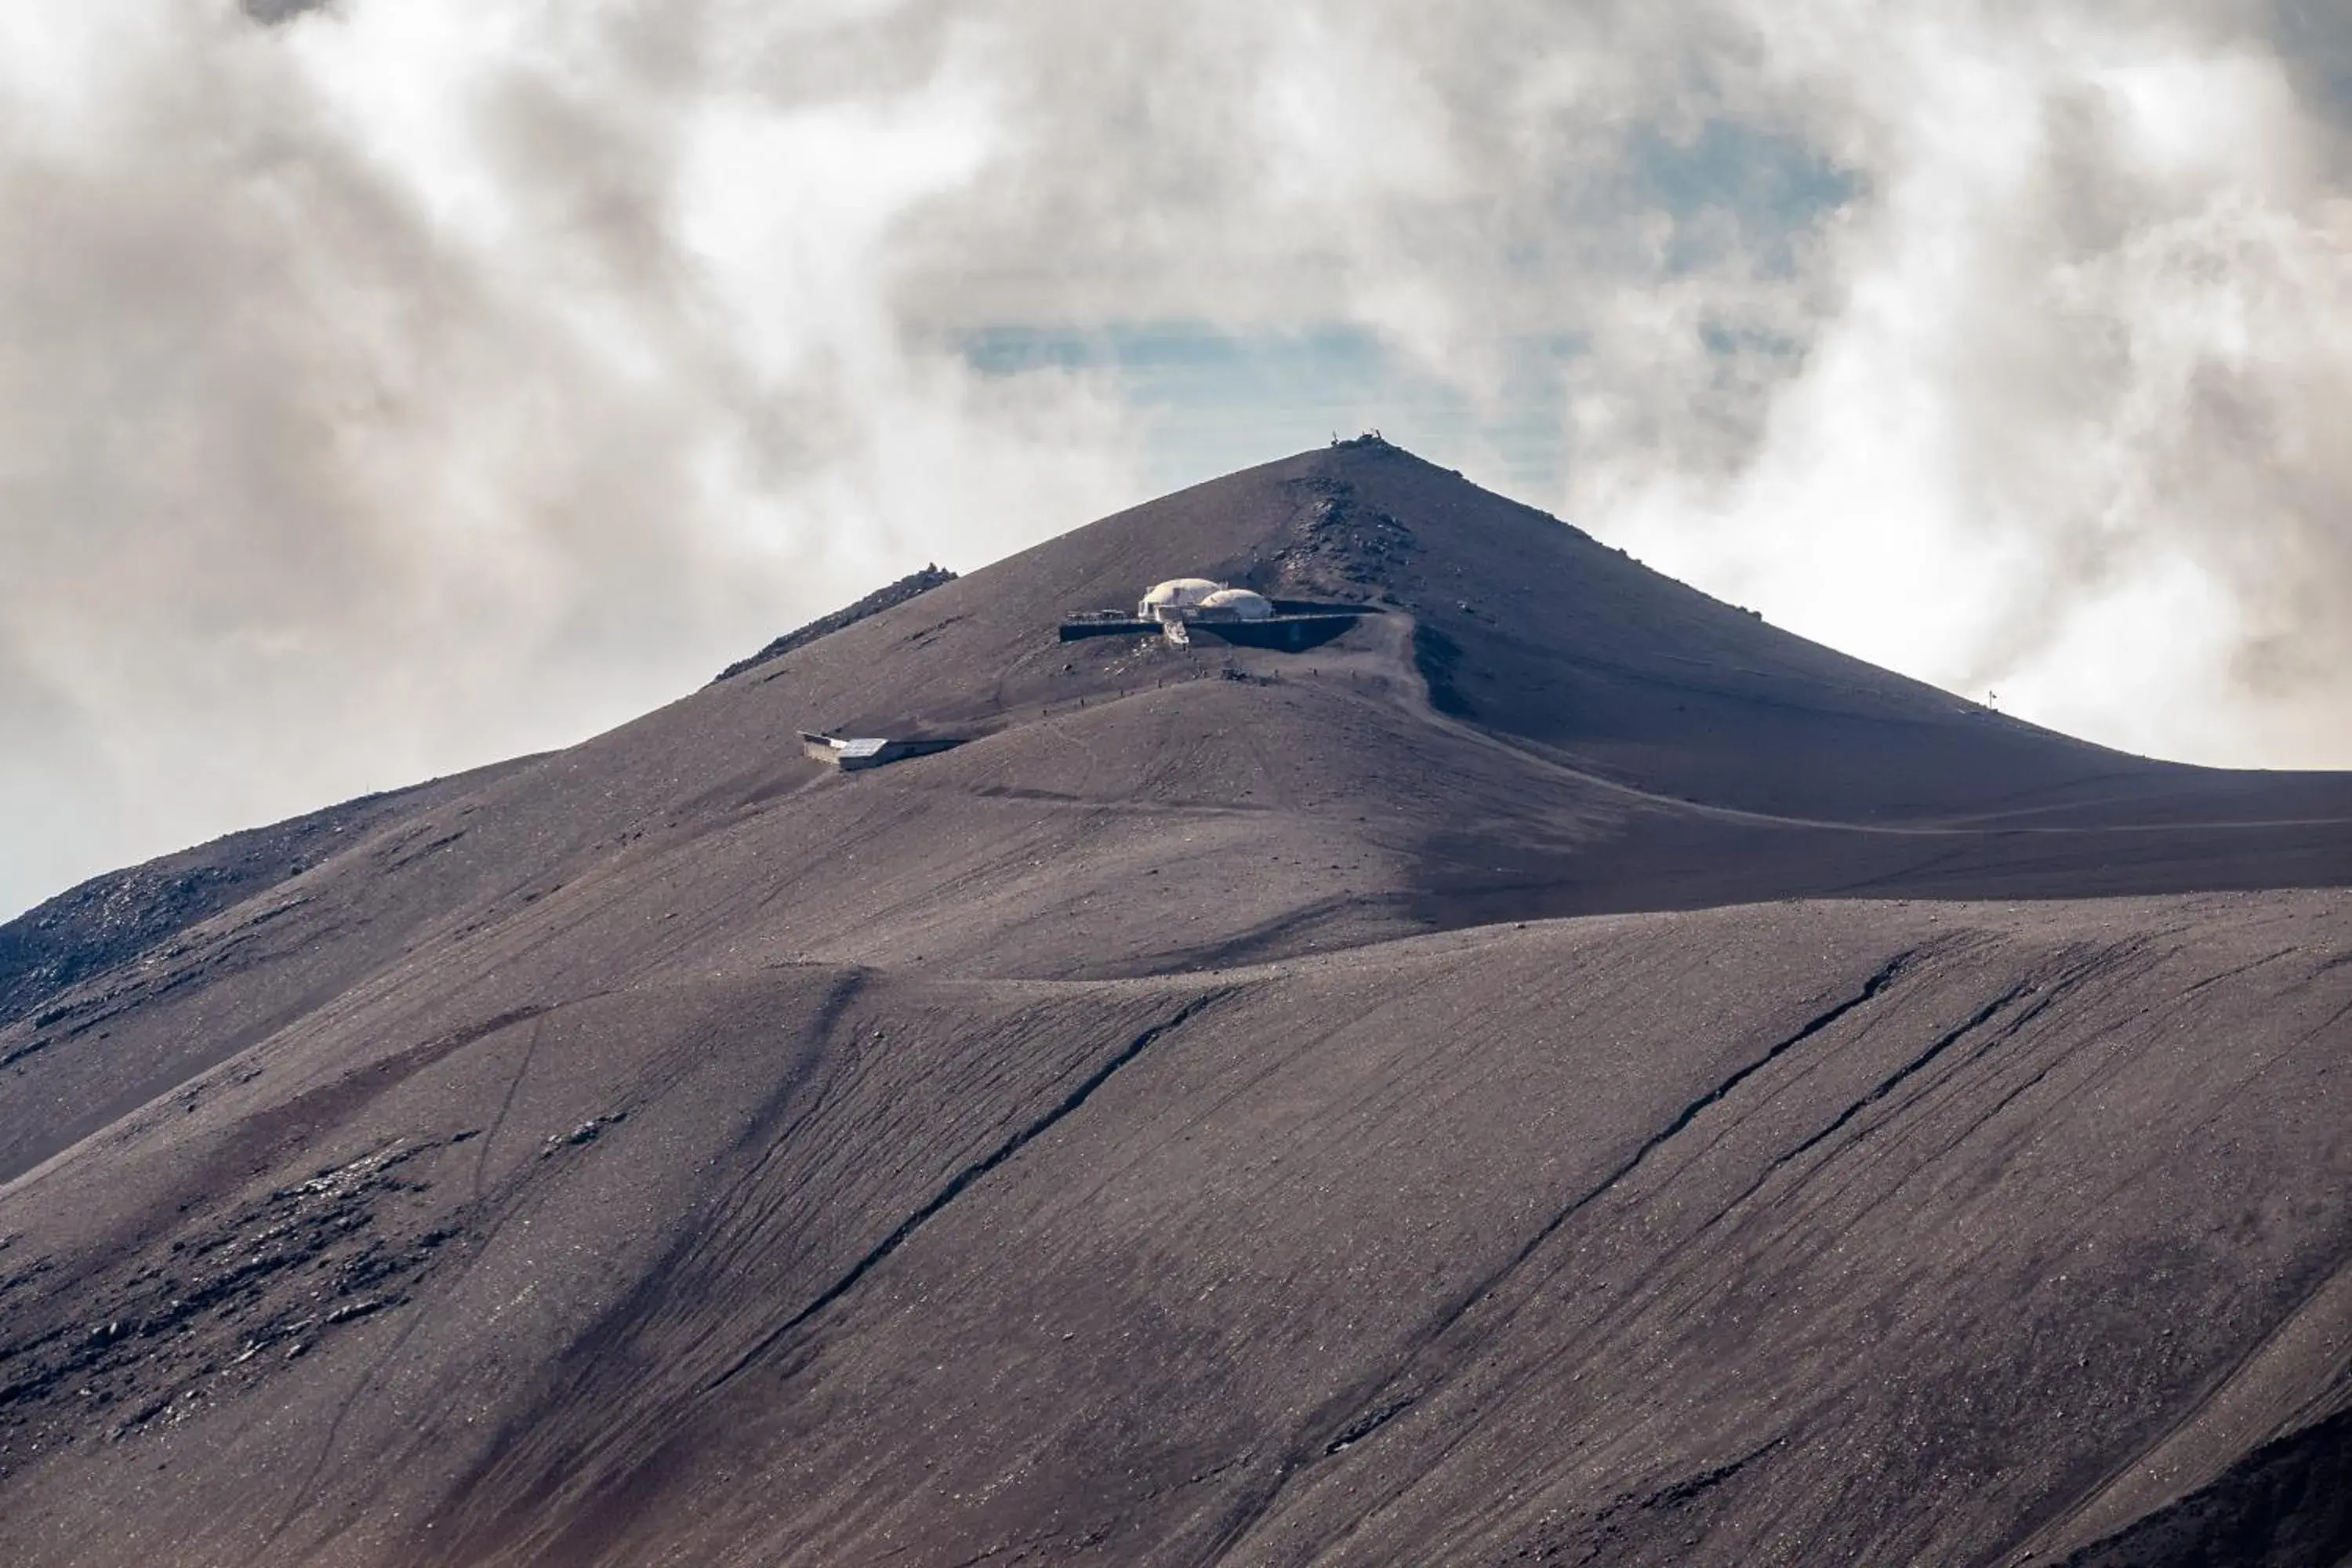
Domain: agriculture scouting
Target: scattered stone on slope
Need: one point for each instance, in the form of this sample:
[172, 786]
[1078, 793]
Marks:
[108, 921]
[177, 1320]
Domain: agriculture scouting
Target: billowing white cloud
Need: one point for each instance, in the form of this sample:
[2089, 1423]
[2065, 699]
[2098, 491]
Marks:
[2067, 434]
[389, 386]
[406, 386]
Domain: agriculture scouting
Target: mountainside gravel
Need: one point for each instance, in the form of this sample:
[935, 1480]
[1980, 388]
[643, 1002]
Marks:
[1565, 1073]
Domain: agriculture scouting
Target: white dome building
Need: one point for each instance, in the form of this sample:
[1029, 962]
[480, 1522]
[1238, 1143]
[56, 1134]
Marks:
[1175, 598]
[1234, 604]
[1240, 618]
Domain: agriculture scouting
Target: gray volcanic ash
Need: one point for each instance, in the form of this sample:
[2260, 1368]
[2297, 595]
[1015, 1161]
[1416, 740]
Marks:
[1563, 1072]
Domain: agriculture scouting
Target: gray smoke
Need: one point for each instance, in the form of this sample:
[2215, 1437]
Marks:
[394, 384]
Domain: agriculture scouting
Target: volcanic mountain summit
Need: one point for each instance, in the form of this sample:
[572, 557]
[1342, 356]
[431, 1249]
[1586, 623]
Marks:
[1564, 1072]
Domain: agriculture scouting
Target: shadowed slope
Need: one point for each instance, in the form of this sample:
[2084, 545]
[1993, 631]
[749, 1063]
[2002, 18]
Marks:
[2290, 1501]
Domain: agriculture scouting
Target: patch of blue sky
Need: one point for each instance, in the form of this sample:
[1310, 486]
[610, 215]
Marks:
[1732, 188]
[1213, 399]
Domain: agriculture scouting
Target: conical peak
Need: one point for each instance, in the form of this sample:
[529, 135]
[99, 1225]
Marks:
[1508, 618]
[1525, 624]
[1351, 520]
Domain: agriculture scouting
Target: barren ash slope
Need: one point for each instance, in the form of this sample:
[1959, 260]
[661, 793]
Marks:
[1563, 1073]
